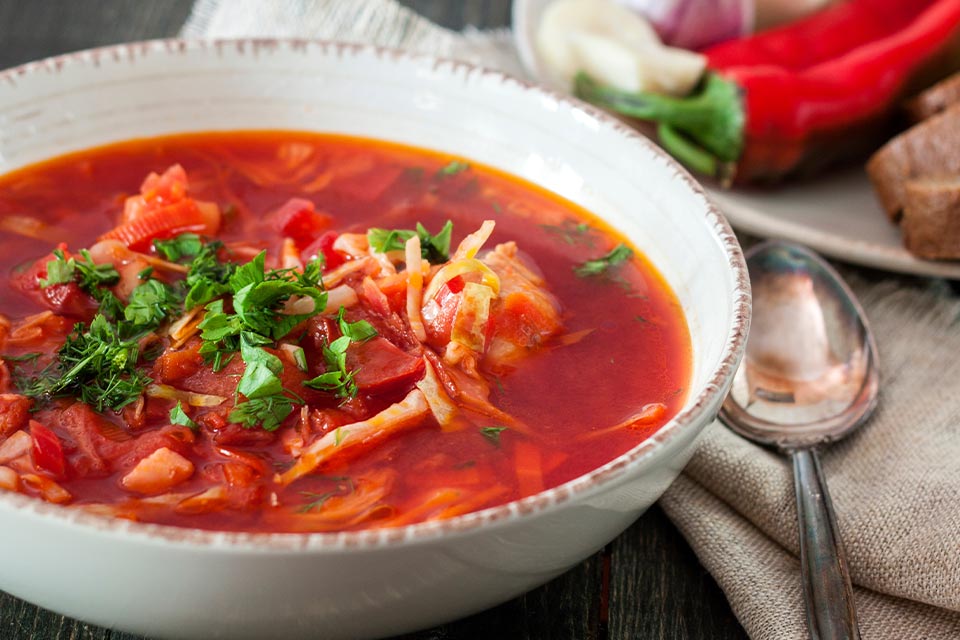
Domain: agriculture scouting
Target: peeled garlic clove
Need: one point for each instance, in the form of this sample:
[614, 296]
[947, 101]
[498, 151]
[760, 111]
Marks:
[614, 45]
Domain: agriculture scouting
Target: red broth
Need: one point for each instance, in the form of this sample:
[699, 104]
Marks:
[622, 345]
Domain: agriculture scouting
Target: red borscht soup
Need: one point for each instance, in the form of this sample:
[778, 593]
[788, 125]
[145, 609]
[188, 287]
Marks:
[291, 332]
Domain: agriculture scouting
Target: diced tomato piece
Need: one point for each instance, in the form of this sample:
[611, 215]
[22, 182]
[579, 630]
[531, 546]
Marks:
[47, 450]
[14, 412]
[381, 366]
[324, 246]
[299, 220]
[175, 365]
[169, 187]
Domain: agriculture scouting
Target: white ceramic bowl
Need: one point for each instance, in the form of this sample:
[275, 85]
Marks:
[170, 582]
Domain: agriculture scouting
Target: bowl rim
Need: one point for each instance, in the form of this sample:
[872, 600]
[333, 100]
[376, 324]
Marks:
[709, 396]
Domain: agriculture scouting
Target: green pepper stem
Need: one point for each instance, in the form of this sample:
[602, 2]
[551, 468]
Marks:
[713, 117]
[690, 155]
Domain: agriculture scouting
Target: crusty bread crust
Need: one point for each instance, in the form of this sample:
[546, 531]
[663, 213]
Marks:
[926, 149]
[931, 218]
[935, 99]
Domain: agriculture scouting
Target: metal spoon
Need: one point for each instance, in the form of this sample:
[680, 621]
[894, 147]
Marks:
[809, 377]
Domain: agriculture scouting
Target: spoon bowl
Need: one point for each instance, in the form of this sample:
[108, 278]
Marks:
[809, 376]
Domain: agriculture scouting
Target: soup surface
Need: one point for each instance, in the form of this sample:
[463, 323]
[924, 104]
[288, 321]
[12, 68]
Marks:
[275, 331]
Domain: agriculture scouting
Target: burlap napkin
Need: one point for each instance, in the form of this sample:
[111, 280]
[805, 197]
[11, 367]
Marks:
[895, 483]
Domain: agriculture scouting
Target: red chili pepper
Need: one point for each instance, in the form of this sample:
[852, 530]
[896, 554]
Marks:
[793, 98]
[47, 450]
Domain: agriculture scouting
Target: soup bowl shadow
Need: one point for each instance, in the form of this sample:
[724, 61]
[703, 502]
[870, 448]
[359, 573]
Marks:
[183, 583]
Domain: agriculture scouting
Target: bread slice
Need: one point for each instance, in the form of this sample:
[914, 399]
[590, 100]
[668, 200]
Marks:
[931, 217]
[935, 99]
[931, 148]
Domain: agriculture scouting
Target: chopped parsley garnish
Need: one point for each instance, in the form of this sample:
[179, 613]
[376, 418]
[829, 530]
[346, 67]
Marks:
[434, 248]
[266, 405]
[179, 416]
[453, 168]
[185, 245]
[492, 433]
[207, 276]
[337, 379]
[150, 304]
[247, 310]
[89, 275]
[359, 331]
[317, 500]
[603, 264]
[570, 232]
[267, 413]
[95, 365]
[59, 270]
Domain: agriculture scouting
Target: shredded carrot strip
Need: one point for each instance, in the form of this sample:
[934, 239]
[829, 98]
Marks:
[529, 468]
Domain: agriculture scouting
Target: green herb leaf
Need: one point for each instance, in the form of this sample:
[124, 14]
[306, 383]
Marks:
[179, 416]
[336, 379]
[150, 304]
[314, 500]
[492, 433]
[453, 168]
[434, 248]
[185, 245]
[207, 277]
[261, 377]
[359, 331]
[267, 413]
[59, 270]
[384, 240]
[603, 264]
[92, 276]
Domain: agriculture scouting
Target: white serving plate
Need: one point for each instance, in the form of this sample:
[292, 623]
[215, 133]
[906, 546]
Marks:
[836, 214]
[180, 583]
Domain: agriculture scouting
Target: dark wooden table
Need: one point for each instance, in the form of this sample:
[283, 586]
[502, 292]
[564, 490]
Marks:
[645, 584]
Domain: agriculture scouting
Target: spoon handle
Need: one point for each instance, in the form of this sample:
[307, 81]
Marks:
[831, 614]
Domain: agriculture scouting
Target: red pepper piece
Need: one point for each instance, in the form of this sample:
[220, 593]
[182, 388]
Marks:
[299, 220]
[47, 450]
[323, 246]
[801, 96]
